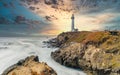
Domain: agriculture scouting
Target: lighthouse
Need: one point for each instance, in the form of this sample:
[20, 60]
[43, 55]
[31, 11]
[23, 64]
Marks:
[73, 24]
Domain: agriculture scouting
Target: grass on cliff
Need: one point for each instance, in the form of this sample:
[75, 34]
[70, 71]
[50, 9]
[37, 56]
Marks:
[103, 39]
[108, 41]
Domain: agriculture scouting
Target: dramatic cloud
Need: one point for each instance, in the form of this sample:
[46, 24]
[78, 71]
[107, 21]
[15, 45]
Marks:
[17, 20]
[89, 14]
[55, 15]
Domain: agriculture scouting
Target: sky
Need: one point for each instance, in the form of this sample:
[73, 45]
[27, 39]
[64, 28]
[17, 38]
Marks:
[54, 16]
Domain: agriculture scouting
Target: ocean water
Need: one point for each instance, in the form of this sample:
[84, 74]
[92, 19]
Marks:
[13, 49]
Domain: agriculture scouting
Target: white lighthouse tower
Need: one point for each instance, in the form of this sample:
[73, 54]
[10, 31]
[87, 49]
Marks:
[73, 24]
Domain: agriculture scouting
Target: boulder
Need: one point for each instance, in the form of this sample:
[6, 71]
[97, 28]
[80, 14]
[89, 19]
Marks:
[29, 66]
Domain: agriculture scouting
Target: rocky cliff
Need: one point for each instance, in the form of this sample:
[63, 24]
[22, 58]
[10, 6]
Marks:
[98, 53]
[30, 66]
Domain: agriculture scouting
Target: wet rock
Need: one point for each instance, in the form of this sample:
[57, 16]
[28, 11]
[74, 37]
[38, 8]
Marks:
[29, 66]
[68, 56]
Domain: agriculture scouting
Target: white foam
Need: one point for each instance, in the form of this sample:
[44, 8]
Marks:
[20, 48]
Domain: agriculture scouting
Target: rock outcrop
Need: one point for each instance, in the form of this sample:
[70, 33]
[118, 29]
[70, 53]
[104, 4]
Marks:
[68, 56]
[30, 66]
[95, 52]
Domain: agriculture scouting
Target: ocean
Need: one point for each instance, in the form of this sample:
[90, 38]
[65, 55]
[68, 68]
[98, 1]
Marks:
[13, 49]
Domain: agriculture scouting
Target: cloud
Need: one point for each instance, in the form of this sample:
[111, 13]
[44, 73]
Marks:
[55, 17]
[89, 14]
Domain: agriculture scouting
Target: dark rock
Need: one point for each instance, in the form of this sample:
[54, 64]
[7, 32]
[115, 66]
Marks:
[67, 56]
[20, 62]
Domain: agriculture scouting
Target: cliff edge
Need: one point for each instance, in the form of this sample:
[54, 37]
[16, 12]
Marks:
[97, 53]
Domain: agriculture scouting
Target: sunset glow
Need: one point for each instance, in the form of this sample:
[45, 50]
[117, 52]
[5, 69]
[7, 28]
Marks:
[59, 16]
[55, 17]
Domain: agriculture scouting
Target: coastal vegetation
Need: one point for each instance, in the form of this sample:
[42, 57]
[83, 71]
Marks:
[97, 53]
